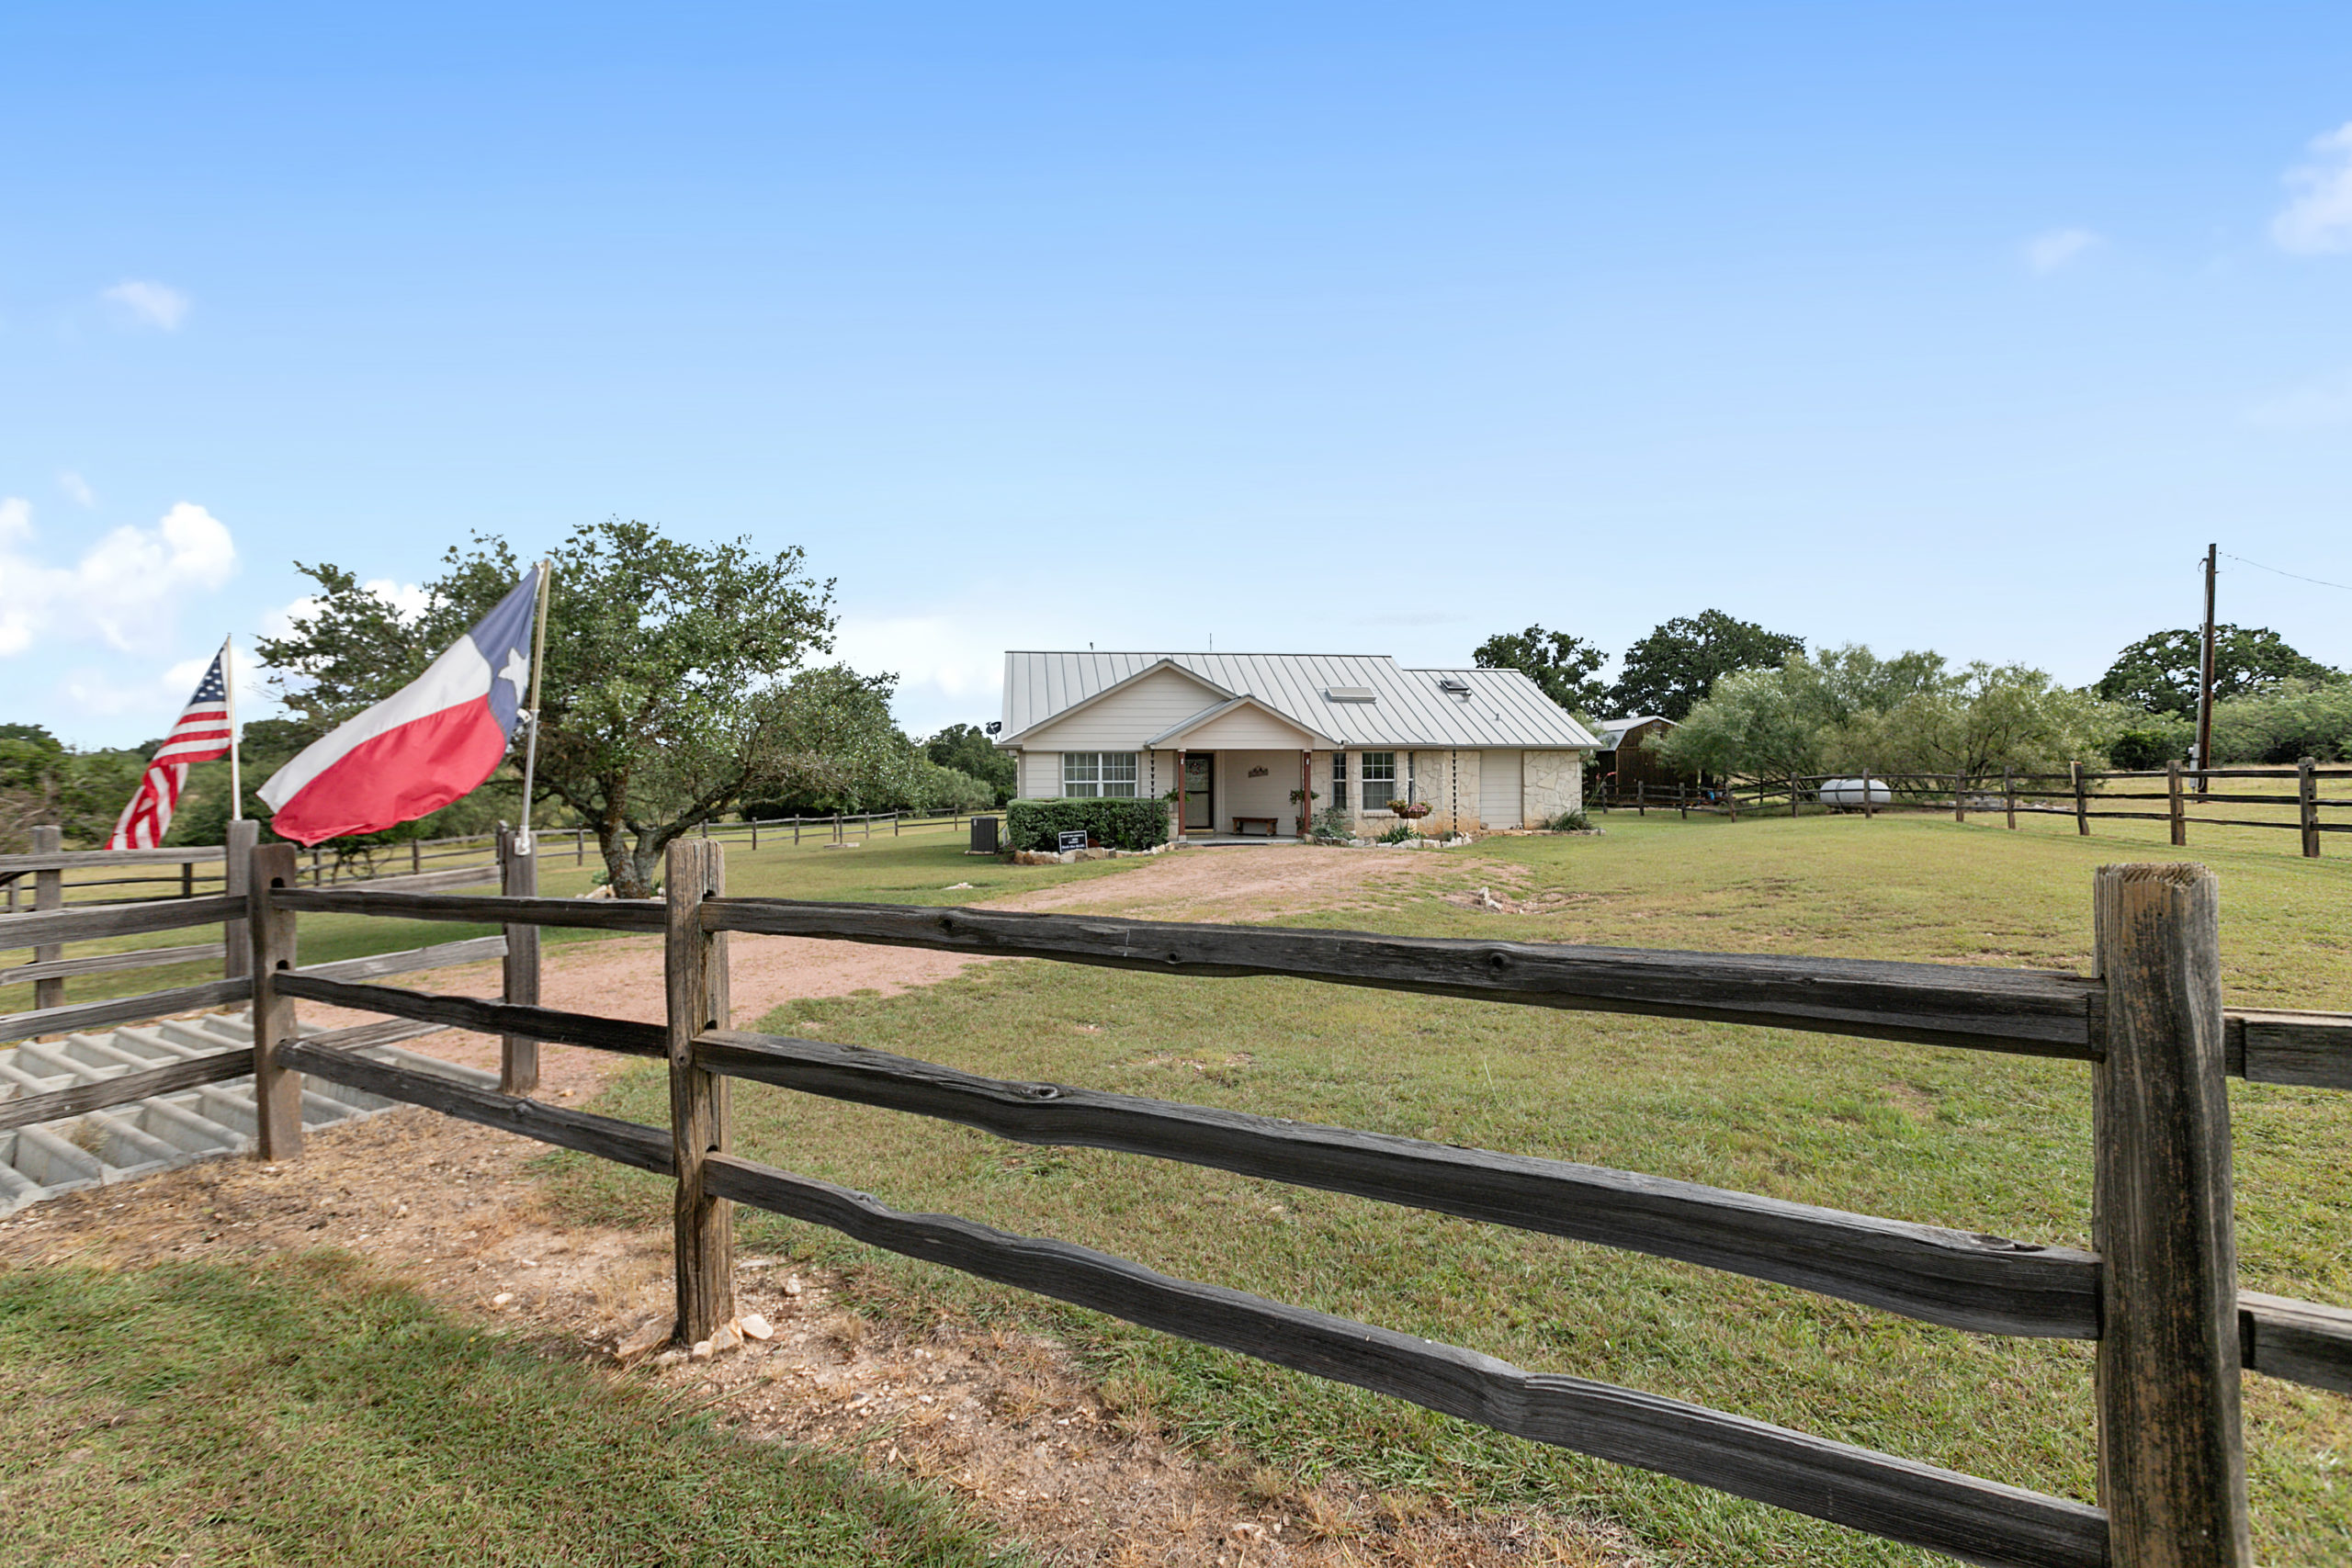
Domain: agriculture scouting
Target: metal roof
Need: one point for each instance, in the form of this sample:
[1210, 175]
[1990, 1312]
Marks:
[1612, 731]
[1502, 707]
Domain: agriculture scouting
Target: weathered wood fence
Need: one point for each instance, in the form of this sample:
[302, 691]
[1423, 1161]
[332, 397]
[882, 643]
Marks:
[2158, 1296]
[47, 930]
[2082, 793]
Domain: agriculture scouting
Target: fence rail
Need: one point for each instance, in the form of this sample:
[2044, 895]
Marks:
[2173, 1336]
[2009, 792]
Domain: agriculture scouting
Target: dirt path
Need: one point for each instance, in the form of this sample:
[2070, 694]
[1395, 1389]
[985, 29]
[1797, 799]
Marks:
[1005, 1420]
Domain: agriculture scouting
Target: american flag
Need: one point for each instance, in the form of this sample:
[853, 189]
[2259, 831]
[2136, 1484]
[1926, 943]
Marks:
[201, 734]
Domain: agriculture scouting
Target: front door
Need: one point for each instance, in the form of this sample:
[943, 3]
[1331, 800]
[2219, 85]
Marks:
[1200, 785]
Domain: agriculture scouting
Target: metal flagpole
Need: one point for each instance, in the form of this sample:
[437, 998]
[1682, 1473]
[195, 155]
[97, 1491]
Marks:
[531, 738]
[229, 683]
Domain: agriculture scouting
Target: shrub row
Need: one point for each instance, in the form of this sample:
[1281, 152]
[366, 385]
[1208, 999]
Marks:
[1112, 823]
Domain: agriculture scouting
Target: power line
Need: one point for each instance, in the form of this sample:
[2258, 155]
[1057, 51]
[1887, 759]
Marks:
[2298, 576]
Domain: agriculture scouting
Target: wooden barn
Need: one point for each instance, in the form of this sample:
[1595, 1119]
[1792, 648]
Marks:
[1628, 755]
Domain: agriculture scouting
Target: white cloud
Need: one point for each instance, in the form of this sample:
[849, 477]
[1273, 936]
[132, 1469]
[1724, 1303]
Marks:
[2319, 219]
[125, 591]
[2054, 249]
[77, 489]
[2317, 404]
[408, 600]
[148, 304]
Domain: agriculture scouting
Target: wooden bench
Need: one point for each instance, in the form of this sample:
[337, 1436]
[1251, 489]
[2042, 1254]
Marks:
[1241, 825]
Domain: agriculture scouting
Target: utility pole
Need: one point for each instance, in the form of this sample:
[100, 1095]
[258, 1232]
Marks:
[2205, 680]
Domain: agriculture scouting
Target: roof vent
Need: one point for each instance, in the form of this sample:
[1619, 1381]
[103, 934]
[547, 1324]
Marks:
[1351, 695]
[1455, 684]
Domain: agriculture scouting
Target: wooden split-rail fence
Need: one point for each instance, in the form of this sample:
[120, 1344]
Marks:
[2083, 794]
[2173, 1335]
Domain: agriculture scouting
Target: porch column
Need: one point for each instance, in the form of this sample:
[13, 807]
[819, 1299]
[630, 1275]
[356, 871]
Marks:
[1305, 791]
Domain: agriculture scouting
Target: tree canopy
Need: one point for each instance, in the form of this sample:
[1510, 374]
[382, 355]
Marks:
[665, 693]
[1564, 666]
[968, 749]
[1849, 709]
[1675, 667]
[2160, 671]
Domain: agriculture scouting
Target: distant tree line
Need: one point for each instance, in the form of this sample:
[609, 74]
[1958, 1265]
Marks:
[1752, 702]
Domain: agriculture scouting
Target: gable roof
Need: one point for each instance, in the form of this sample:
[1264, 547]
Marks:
[1408, 706]
[1207, 715]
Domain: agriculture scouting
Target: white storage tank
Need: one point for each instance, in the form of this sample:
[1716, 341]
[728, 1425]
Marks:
[1849, 792]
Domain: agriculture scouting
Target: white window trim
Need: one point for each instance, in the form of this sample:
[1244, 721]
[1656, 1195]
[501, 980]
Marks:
[1086, 775]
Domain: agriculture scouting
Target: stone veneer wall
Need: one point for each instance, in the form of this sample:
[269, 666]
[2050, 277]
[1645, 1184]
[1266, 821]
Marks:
[1551, 782]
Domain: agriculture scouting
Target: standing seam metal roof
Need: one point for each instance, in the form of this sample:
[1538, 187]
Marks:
[1503, 707]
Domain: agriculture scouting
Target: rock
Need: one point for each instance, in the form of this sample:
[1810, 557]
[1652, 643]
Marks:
[724, 1337]
[668, 1358]
[957, 887]
[845, 845]
[702, 1350]
[791, 1284]
[604, 892]
[648, 1336]
[501, 1299]
[1094, 854]
[755, 1326]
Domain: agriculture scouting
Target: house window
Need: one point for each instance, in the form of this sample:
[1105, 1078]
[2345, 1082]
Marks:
[1339, 781]
[1099, 773]
[1379, 780]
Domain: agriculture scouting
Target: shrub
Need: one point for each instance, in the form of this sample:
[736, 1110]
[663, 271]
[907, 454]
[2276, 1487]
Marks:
[1567, 822]
[2143, 746]
[1334, 825]
[1115, 824]
[1399, 833]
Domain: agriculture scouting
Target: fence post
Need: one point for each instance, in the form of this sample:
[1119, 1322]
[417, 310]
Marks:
[2175, 806]
[1869, 809]
[2082, 804]
[756, 834]
[2307, 805]
[2171, 1450]
[695, 973]
[580, 846]
[236, 880]
[1959, 800]
[518, 1055]
[277, 1094]
[2009, 793]
[49, 893]
[1641, 797]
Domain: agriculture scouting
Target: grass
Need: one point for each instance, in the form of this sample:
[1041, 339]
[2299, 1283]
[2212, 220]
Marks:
[919, 866]
[318, 1412]
[1975, 1140]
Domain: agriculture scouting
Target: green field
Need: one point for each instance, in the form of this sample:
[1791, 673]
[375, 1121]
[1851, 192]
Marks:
[1973, 1140]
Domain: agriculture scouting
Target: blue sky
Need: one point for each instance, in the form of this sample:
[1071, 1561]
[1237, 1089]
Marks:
[1360, 329]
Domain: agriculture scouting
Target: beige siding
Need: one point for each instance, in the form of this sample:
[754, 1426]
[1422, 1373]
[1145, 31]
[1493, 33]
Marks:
[1248, 728]
[1041, 774]
[1500, 795]
[1126, 719]
[1238, 795]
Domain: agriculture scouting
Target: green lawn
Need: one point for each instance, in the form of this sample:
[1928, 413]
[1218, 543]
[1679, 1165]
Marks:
[315, 1411]
[1969, 1139]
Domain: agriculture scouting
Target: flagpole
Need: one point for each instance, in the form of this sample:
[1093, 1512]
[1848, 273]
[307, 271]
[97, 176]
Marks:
[228, 682]
[531, 738]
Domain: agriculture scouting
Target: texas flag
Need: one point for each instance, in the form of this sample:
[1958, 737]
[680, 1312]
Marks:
[421, 748]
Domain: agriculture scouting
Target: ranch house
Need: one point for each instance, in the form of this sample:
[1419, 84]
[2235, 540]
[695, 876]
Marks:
[1232, 740]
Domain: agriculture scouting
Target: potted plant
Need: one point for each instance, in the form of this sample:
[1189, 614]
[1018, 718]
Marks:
[1300, 798]
[1410, 808]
